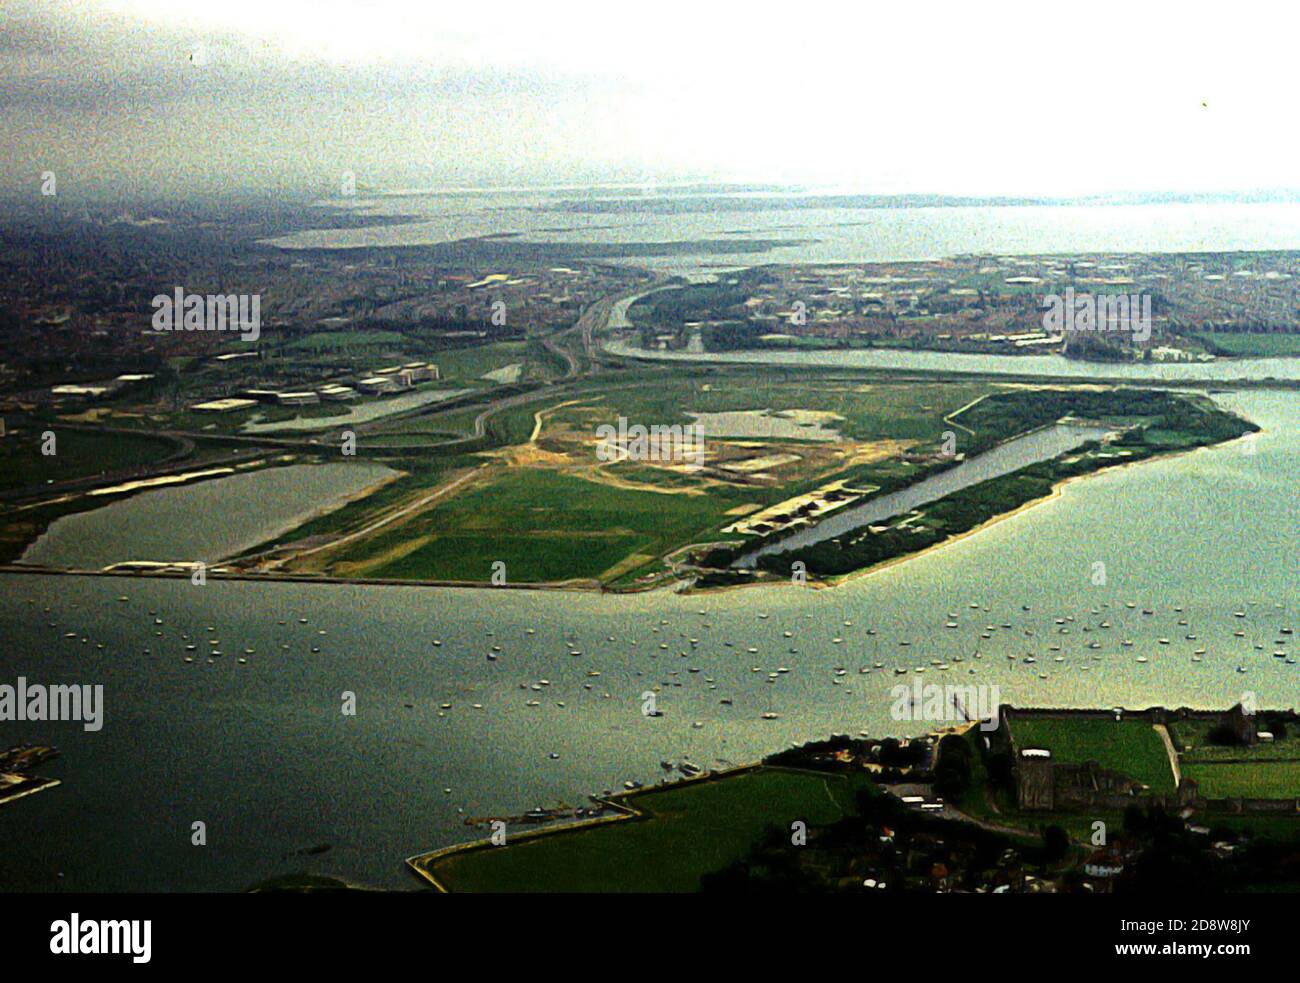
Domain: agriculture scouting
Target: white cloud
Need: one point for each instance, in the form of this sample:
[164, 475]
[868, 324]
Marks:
[1007, 98]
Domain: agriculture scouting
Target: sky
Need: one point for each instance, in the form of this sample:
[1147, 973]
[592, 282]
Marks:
[175, 97]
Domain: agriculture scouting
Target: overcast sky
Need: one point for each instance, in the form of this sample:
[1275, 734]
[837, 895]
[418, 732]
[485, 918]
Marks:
[136, 97]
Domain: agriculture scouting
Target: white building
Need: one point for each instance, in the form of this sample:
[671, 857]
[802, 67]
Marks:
[229, 405]
[378, 385]
[297, 399]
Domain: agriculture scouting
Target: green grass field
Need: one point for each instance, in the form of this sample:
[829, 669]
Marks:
[336, 341]
[471, 364]
[78, 454]
[687, 831]
[1131, 747]
[912, 411]
[543, 525]
[1192, 738]
[1248, 345]
[1248, 779]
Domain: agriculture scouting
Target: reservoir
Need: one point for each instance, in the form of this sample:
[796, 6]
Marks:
[207, 520]
[365, 413]
[1014, 454]
[264, 755]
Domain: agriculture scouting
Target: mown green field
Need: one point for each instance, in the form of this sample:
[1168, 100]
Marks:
[543, 525]
[1249, 779]
[1131, 747]
[687, 831]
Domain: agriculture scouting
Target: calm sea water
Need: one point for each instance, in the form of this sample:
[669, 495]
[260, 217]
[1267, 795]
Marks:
[832, 235]
[264, 756]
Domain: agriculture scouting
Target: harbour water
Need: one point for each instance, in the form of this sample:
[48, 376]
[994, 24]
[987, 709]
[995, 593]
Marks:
[1221, 370]
[815, 235]
[264, 755]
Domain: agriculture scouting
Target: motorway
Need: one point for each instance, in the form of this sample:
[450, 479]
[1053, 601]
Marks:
[593, 320]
